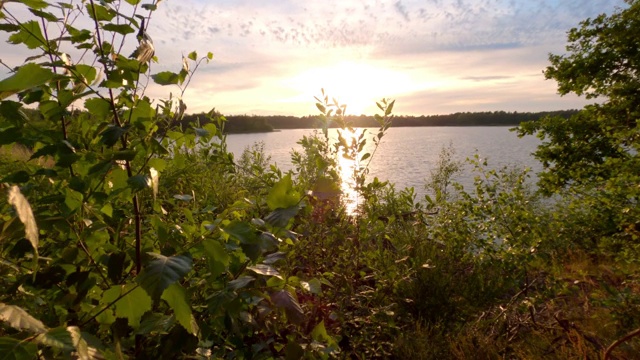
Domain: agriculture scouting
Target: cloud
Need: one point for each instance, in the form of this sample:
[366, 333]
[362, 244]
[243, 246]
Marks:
[439, 24]
[401, 10]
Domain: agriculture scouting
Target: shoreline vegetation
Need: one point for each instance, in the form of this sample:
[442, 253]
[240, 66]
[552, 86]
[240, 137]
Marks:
[239, 124]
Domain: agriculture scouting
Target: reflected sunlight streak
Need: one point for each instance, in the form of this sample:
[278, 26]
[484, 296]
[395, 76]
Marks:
[348, 169]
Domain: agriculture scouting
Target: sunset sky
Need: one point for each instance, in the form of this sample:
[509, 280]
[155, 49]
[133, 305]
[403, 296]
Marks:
[432, 56]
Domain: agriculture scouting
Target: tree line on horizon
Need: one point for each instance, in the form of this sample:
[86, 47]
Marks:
[238, 124]
[267, 123]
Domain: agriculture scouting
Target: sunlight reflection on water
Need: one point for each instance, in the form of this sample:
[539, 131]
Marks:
[349, 168]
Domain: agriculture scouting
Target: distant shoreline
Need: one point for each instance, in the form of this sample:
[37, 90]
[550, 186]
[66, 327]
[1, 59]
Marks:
[244, 124]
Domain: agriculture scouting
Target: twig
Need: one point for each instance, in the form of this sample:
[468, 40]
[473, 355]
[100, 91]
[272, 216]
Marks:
[607, 353]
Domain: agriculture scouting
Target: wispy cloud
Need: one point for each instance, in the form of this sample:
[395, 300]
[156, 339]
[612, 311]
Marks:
[437, 24]
[402, 10]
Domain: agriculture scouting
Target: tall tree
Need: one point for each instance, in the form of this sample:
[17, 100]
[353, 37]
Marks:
[599, 145]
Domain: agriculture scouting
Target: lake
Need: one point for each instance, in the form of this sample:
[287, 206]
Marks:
[407, 154]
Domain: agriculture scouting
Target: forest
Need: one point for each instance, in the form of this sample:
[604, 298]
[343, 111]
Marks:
[266, 123]
[127, 232]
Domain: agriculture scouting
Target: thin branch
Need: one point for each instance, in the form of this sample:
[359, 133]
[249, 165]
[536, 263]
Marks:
[63, 118]
[607, 353]
[108, 306]
[116, 117]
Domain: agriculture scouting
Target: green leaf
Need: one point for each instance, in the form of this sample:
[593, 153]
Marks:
[240, 282]
[30, 34]
[193, 55]
[133, 2]
[73, 199]
[43, 14]
[112, 134]
[78, 36]
[176, 297]
[201, 132]
[132, 305]
[263, 269]
[102, 167]
[293, 351]
[115, 264]
[389, 109]
[158, 164]
[252, 245]
[181, 197]
[139, 182]
[275, 257]
[123, 29]
[143, 112]
[280, 217]
[19, 319]
[162, 272]
[85, 73]
[13, 349]
[217, 257]
[9, 27]
[17, 177]
[98, 107]
[28, 76]
[25, 213]
[166, 78]
[52, 110]
[10, 135]
[124, 155]
[313, 286]
[319, 334]
[12, 111]
[82, 349]
[45, 151]
[284, 299]
[107, 209]
[100, 13]
[35, 4]
[58, 338]
[241, 231]
[282, 194]
[149, 7]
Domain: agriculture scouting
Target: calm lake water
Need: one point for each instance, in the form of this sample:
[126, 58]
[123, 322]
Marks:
[407, 154]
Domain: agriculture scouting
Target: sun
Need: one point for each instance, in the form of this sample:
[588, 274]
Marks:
[354, 84]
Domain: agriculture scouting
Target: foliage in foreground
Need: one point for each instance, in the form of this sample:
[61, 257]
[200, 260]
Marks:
[126, 236]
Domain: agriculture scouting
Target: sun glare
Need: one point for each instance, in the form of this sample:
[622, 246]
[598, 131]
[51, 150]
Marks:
[358, 85]
[348, 168]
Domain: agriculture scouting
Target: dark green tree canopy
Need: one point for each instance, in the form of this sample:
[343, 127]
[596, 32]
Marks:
[599, 144]
[603, 57]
